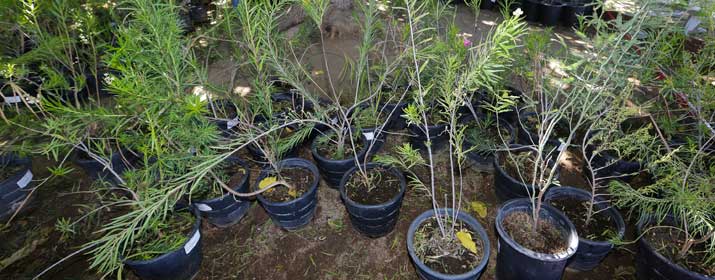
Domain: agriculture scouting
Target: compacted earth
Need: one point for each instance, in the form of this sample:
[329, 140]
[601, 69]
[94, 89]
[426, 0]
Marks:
[255, 248]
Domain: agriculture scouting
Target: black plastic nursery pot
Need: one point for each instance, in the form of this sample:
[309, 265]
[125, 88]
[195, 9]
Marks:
[14, 189]
[375, 137]
[483, 160]
[612, 166]
[590, 253]
[228, 110]
[296, 213]
[180, 264]
[91, 167]
[438, 136]
[507, 187]
[334, 170]
[488, 4]
[528, 135]
[425, 272]
[378, 219]
[532, 10]
[550, 12]
[517, 262]
[396, 122]
[652, 265]
[608, 165]
[571, 12]
[120, 162]
[227, 210]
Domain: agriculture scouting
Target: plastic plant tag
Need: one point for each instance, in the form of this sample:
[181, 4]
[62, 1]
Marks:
[25, 180]
[466, 239]
[12, 99]
[232, 123]
[562, 147]
[203, 207]
[192, 242]
[369, 135]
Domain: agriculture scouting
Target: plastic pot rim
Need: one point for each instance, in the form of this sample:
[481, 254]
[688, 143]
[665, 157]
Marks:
[245, 178]
[309, 166]
[319, 157]
[467, 219]
[371, 165]
[583, 195]
[643, 242]
[515, 205]
[196, 228]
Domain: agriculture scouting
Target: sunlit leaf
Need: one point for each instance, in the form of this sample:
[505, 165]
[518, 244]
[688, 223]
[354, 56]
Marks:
[466, 239]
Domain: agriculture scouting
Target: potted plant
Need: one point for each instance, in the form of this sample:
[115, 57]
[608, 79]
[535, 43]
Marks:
[596, 227]
[291, 203]
[445, 242]
[218, 206]
[170, 249]
[373, 197]
[573, 10]
[484, 137]
[15, 177]
[674, 228]
[518, 170]
[550, 14]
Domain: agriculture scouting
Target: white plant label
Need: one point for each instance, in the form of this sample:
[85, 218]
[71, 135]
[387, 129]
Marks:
[562, 147]
[232, 123]
[12, 99]
[369, 135]
[203, 207]
[25, 180]
[192, 242]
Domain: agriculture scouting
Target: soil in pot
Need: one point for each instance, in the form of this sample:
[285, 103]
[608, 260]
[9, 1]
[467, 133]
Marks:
[667, 241]
[328, 147]
[601, 227]
[521, 166]
[380, 186]
[9, 170]
[430, 248]
[163, 237]
[299, 178]
[546, 239]
[230, 174]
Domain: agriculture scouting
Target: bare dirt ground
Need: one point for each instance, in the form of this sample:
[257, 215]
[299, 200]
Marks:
[328, 248]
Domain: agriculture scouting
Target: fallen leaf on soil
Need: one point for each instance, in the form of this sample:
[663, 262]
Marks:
[480, 208]
[266, 182]
[293, 192]
[466, 239]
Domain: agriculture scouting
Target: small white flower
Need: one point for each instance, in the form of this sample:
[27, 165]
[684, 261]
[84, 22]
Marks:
[518, 12]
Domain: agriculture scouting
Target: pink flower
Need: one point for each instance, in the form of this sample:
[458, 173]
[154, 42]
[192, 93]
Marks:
[466, 42]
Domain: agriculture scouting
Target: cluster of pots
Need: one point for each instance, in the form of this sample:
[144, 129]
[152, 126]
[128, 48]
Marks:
[549, 12]
[514, 261]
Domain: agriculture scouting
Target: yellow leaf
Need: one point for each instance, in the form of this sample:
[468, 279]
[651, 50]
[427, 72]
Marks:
[266, 182]
[293, 192]
[480, 208]
[466, 239]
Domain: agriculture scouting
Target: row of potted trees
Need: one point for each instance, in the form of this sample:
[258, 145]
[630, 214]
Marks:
[171, 177]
